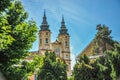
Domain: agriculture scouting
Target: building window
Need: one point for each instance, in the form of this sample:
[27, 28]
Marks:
[57, 51]
[67, 56]
[46, 33]
[66, 43]
[67, 67]
[46, 40]
[40, 40]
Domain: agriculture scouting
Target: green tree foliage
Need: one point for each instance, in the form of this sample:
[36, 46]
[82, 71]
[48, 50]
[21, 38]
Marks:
[84, 58]
[102, 68]
[103, 32]
[24, 70]
[71, 77]
[114, 57]
[17, 34]
[83, 68]
[53, 68]
[102, 37]
[5, 37]
[4, 4]
[21, 33]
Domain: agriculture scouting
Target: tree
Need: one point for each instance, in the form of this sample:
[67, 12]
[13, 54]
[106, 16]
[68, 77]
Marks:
[24, 70]
[84, 58]
[17, 34]
[4, 4]
[53, 68]
[103, 32]
[83, 70]
[102, 38]
[21, 31]
[5, 38]
[114, 57]
[102, 68]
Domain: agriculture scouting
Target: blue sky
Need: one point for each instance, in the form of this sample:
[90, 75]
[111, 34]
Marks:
[81, 17]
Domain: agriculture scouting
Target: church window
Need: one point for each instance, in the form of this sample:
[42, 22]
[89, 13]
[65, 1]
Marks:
[46, 33]
[46, 40]
[67, 56]
[40, 40]
[57, 51]
[67, 67]
[66, 43]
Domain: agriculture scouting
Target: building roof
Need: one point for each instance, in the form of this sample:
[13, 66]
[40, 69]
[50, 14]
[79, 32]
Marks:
[56, 42]
[31, 55]
[63, 29]
[89, 49]
[44, 26]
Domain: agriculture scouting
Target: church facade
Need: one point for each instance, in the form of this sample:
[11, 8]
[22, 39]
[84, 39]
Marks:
[61, 46]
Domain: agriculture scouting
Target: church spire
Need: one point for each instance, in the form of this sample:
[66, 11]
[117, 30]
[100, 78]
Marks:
[63, 22]
[63, 29]
[44, 18]
[44, 13]
[44, 26]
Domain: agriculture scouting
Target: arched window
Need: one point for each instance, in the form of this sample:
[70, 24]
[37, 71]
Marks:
[66, 43]
[46, 33]
[40, 40]
[67, 67]
[57, 51]
[66, 37]
[67, 56]
[46, 40]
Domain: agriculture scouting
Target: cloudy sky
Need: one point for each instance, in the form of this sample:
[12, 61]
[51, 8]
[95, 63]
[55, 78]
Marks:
[81, 17]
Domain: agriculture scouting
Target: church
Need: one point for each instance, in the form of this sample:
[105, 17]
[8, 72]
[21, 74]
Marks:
[61, 46]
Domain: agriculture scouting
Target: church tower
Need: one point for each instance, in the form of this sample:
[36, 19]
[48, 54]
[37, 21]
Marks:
[64, 38]
[44, 36]
[61, 46]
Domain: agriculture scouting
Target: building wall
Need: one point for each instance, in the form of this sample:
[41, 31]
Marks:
[56, 47]
[60, 47]
[65, 46]
[102, 45]
[44, 41]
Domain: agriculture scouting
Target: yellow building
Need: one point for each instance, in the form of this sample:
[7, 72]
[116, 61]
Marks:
[61, 46]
